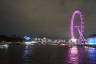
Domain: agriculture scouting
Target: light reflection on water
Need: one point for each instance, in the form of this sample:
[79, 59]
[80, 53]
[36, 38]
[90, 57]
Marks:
[91, 55]
[73, 55]
[27, 51]
[47, 55]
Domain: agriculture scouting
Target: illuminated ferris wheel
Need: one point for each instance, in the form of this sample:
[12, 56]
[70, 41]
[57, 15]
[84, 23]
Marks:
[74, 27]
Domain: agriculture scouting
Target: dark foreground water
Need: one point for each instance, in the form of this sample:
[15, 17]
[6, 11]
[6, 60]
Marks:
[47, 55]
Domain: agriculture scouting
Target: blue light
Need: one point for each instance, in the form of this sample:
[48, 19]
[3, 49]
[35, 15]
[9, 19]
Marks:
[27, 38]
[92, 55]
[92, 41]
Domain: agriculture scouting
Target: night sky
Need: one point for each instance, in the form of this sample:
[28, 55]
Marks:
[51, 17]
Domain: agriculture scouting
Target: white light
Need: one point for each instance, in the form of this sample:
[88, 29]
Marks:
[29, 43]
[86, 47]
[4, 46]
[74, 40]
[33, 42]
[62, 44]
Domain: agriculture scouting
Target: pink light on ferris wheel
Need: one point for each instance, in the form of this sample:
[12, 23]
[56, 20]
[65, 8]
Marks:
[80, 27]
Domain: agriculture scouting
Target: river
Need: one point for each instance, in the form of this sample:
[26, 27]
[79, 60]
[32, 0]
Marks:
[47, 55]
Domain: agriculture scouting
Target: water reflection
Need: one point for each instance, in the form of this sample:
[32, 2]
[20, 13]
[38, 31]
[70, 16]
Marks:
[27, 55]
[73, 55]
[27, 51]
[92, 55]
[47, 55]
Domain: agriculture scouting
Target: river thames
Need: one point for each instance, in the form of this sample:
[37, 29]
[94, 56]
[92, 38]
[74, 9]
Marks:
[47, 54]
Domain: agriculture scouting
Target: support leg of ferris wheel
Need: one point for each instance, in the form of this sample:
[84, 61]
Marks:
[81, 35]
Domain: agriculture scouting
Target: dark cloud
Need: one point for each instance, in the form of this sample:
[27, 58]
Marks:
[49, 16]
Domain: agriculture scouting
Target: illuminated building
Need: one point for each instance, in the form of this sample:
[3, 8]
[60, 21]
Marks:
[92, 41]
[27, 38]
